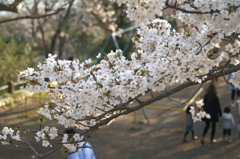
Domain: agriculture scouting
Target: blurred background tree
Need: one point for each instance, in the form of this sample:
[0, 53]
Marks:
[31, 29]
[16, 53]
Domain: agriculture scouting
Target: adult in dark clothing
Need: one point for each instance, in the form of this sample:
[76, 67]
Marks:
[212, 107]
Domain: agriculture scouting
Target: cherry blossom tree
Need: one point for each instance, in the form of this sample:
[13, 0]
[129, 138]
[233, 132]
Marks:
[90, 96]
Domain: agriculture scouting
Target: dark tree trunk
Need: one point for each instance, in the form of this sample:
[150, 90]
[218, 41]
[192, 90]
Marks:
[11, 88]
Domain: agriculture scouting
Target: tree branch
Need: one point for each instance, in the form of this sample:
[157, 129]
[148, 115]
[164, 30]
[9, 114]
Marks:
[161, 96]
[189, 11]
[62, 23]
[10, 8]
[50, 152]
[32, 17]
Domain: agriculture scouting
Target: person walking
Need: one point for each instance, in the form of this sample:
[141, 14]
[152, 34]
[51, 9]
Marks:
[234, 92]
[213, 108]
[227, 123]
[189, 124]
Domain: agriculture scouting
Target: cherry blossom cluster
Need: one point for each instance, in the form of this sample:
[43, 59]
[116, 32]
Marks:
[223, 13]
[189, 13]
[142, 10]
[198, 114]
[235, 78]
[7, 135]
[185, 55]
[233, 51]
[208, 23]
[83, 93]
[77, 139]
[46, 135]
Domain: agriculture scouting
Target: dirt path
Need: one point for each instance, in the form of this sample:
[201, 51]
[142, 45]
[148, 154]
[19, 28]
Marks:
[161, 139]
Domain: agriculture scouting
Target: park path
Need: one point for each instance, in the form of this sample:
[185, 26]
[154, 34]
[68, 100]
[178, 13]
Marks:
[162, 139]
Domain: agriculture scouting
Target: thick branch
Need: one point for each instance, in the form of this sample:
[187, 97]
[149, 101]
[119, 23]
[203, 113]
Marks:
[32, 17]
[163, 95]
